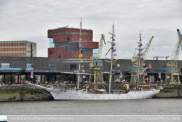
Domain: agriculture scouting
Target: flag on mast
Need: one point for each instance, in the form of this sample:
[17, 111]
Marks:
[84, 76]
[80, 55]
[121, 75]
[117, 65]
[149, 66]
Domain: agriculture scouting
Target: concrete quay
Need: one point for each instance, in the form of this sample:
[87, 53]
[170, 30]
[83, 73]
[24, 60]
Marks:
[23, 93]
[30, 93]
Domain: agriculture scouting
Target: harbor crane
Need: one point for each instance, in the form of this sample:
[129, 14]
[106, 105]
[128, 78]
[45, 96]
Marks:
[96, 63]
[172, 74]
[135, 62]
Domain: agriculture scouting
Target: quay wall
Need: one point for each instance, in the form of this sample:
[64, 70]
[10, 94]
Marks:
[170, 91]
[23, 93]
[30, 93]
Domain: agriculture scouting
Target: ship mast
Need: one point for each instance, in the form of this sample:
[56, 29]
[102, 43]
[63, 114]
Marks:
[79, 53]
[110, 74]
[139, 55]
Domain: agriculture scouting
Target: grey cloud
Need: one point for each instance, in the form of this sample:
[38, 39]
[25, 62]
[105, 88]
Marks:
[31, 19]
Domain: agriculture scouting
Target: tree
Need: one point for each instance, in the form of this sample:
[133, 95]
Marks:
[28, 78]
[58, 78]
[106, 77]
[8, 79]
[126, 77]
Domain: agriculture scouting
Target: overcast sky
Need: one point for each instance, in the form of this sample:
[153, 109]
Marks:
[30, 20]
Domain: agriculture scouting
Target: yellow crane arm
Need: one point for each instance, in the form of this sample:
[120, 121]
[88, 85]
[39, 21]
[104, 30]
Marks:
[146, 48]
[175, 55]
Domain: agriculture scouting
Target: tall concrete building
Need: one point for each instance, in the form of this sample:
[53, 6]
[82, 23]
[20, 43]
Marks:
[63, 43]
[18, 48]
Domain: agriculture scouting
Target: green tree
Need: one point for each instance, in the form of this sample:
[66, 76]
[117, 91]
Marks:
[126, 77]
[28, 78]
[106, 77]
[58, 78]
[8, 79]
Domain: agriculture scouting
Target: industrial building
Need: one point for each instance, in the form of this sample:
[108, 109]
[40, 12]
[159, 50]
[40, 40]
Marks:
[18, 48]
[63, 43]
[50, 67]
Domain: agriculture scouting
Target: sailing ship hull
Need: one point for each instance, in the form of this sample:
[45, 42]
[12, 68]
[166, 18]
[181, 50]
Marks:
[77, 95]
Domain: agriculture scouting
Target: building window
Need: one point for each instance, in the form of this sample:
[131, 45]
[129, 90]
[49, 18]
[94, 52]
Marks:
[163, 68]
[51, 52]
[52, 66]
[68, 38]
[73, 66]
[98, 63]
[59, 56]
[51, 43]
[95, 51]
[5, 65]
[29, 65]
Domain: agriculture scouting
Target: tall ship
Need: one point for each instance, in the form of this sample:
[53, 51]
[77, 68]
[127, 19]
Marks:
[62, 92]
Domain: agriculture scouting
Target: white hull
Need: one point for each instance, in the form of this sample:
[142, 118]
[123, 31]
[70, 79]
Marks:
[79, 95]
[63, 94]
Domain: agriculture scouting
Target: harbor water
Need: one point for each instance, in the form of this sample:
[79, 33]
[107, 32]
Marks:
[115, 107]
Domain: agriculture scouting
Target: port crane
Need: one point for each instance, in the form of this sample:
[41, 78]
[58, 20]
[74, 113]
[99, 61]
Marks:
[172, 74]
[96, 63]
[135, 62]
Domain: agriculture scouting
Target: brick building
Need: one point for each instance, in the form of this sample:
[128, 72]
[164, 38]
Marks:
[18, 48]
[62, 45]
